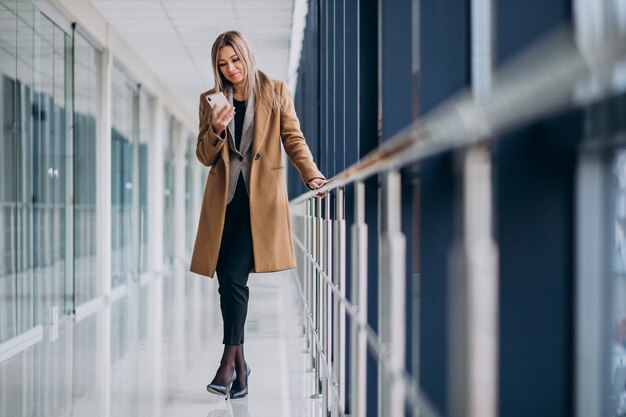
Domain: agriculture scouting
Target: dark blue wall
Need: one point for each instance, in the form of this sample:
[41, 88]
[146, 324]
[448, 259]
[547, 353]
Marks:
[444, 70]
[534, 183]
[534, 178]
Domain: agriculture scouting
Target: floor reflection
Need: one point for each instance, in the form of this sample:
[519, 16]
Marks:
[230, 408]
[152, 352]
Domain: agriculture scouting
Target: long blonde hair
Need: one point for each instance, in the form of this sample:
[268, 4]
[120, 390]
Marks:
[256, 80]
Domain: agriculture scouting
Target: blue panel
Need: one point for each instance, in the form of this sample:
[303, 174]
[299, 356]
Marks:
[307, 95]
[397, 50]
[444, 50]
[437, 208]
[323, 63]
[397, 113]
[534, 183]
[444, 70]
[368, 140]
[339, 96]
[351, 127]
[351, 83]
[519, 23]
[330, 98]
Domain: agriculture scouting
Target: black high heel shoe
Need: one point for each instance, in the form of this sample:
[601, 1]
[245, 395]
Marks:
[222, 389]
[238, 392]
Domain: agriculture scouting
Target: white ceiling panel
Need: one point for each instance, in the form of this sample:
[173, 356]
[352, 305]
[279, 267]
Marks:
[174, 37]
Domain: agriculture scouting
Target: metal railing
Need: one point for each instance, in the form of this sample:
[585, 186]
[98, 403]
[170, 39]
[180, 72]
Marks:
[553, 76]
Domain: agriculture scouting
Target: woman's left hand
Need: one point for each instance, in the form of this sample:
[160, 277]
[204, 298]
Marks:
[316, 183]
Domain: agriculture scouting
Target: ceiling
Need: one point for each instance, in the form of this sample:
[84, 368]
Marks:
[174, 37]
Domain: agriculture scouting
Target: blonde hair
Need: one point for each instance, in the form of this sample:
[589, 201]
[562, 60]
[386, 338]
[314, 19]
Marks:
[256, 80]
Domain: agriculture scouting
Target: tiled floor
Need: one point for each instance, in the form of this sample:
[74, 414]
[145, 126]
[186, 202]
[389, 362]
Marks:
[152, 353]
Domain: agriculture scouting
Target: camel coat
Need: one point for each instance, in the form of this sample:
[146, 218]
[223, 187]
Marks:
[269, 206]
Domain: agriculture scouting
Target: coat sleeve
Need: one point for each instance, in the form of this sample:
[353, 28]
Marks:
[293, 140]
[209, 143]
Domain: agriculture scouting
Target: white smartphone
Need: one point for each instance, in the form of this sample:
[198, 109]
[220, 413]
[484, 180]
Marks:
[217, 99]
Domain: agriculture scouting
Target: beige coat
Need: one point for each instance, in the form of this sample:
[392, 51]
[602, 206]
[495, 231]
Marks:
[269, 205]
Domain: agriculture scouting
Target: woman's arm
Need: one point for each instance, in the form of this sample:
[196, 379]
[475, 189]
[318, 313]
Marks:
[209, 143]
[293, 139]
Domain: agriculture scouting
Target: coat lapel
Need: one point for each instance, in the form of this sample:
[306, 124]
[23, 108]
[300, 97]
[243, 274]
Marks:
[261, 121]
[249, 117]
[231, 125]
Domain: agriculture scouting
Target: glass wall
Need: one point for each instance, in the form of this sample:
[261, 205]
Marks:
[8, 180]
[35, 167]
[86, 65]
[51, 169]
[50, 104]
[124, 132]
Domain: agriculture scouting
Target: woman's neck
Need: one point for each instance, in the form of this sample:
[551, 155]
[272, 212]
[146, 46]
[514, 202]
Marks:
[238, 93]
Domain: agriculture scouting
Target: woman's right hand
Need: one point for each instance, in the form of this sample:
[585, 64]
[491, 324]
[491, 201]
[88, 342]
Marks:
[222, 115]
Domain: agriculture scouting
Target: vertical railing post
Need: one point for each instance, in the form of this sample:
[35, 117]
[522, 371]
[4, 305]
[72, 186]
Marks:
[392, 311]
[339, 280]
[318, 287]
[328, 298]
[474, 289]
[474, 297]
[305, 273]
[358, 346]
[311, 285]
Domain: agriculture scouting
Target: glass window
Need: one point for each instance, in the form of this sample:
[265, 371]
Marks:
[145, 136]
[8, 200]
[35, 170]
[50, 172]
[124, 103]
[86, 65]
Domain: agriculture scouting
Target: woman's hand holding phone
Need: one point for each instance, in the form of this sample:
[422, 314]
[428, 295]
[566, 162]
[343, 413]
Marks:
[223, 112]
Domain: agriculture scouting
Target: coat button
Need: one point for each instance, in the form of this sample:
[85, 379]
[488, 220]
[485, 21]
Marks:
[240, 157]
[257, 156]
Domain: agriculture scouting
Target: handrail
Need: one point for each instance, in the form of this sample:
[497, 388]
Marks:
[542, 81]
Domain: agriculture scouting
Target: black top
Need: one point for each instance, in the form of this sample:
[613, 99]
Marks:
[240, 113]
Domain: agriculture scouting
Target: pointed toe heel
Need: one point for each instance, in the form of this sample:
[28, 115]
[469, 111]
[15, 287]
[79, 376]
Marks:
[218, 389]
[237, 392]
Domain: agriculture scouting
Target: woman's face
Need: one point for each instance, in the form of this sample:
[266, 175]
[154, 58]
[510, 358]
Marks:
[230, 65]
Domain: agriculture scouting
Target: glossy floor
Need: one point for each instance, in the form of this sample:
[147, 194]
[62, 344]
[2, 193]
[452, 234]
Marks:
[152, 352]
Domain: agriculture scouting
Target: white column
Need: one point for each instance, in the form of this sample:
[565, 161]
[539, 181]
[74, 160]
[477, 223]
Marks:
[391, 298]
[102, 359]
[593, 284]
[103, 177]
[155, 190]
[68, 175]
[180, 215]
[473, 322]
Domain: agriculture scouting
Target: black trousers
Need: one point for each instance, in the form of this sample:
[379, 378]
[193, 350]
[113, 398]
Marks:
[234, 263]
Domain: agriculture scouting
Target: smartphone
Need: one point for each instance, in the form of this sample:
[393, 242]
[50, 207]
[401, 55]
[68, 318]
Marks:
[217, 99]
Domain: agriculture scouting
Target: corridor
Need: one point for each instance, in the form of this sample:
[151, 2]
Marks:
[152, 353]
[465, 255]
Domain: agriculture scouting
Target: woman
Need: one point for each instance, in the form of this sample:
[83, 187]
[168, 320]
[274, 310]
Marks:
[244, 222]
